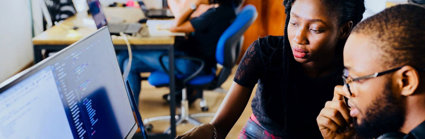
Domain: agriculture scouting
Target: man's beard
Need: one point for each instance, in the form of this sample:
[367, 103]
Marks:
[384, 115]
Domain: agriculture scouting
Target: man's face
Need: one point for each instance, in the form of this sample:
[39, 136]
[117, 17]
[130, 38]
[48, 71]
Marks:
[374, 107]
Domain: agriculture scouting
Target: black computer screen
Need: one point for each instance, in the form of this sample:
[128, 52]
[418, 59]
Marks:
[77, 93]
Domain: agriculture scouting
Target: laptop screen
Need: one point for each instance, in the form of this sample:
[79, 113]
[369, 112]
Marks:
[97, 13]
[164, 12]
[77, 93]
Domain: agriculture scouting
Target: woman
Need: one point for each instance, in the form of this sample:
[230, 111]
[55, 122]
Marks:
[296, 73]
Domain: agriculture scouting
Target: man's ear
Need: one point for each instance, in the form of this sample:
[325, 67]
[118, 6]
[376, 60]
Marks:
[345, 29]
[407, 79]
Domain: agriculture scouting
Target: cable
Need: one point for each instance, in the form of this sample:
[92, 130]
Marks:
[125, 76]
[130, 57]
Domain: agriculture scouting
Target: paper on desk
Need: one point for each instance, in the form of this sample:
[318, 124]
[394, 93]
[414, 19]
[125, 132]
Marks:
[161, 28]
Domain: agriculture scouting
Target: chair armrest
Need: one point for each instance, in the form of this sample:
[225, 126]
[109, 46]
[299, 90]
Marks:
[163, 65]
[191, 76]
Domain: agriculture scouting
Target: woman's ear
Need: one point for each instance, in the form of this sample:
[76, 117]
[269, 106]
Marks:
[345, 29]
[407, 79]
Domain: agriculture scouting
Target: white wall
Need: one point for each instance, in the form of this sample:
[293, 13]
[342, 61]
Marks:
[37, 16]
[15, 37]
[376, 6]
[373, 7]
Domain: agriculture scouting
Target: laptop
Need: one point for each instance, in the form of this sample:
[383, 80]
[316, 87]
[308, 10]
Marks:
[156, 13]
[77, 93]
[99, 18]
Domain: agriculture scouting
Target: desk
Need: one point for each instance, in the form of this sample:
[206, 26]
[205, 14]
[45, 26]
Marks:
[63, 34]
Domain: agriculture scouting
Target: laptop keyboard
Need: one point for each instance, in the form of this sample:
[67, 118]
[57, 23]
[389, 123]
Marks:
[117, 27]
[132, 27]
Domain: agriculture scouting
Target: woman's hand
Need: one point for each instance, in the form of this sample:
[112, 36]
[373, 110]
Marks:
[205, 131]
[334, 118]
[226, 116]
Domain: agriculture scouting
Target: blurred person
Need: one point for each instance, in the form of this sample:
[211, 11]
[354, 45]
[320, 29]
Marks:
[203, 32]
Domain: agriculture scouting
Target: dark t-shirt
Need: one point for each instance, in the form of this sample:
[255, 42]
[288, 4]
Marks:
[208, 29]
[294, 103]
[417, 133]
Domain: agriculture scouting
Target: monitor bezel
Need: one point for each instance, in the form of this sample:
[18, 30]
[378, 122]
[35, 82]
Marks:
[44, 63]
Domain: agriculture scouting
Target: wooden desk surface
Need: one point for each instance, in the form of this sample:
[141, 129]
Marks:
[64, 34]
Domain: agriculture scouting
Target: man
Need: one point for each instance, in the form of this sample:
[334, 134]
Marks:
[204, 32]
[384, 79]
[180, 7]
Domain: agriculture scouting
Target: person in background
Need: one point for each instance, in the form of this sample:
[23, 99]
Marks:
[295, 74]
[384, 79]
[179, 7]
[203, 34]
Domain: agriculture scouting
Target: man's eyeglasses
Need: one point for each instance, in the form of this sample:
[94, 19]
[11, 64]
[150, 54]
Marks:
[347, 80]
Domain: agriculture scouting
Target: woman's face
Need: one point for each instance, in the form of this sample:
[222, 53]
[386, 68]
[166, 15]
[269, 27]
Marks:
[313, 32]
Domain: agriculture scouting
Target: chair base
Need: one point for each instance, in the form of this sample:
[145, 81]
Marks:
[202, 103]
[183, 117]
[189, 119]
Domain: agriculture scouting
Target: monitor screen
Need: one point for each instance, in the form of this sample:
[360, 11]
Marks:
[77, 93]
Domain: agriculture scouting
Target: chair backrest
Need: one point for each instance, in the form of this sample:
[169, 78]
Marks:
[58, 10]
[228, 47]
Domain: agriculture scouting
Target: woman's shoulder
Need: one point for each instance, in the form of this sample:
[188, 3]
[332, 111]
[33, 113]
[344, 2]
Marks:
[260, 57]
[269, 48]
[271, 42]
[268, 45]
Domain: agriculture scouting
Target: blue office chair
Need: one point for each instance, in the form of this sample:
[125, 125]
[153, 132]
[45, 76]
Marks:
[227, 52]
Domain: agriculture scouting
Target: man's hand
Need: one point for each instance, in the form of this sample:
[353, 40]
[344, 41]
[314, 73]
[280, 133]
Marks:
[334, 118]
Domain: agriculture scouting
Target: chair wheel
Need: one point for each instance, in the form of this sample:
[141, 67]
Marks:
[149, 127]
[166, 97]
[204, 109]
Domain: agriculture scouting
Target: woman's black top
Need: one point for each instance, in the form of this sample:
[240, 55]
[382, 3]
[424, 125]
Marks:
[287, 101]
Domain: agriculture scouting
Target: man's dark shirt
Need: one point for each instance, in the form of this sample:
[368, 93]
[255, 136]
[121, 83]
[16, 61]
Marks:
[417, 133]
[208, 29]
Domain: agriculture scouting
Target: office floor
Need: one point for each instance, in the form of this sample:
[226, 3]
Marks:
[151, 105]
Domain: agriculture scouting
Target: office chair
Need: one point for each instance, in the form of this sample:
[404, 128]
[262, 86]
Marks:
[227, 52]
[55, 11]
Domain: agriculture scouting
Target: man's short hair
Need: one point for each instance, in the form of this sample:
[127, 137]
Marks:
[399, 32]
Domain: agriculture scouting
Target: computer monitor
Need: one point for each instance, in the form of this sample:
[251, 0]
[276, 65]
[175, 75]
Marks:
[77, 93]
